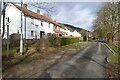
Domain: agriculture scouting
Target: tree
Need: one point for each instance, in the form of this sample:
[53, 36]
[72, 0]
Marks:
[84, 34]
[0, 45]
[46, 6]
[3, 13]
[106, 24]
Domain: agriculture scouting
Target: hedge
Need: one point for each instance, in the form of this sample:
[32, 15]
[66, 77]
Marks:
[66, 41]
[53, 41]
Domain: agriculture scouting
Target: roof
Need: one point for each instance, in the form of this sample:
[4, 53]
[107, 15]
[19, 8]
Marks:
[35, 15]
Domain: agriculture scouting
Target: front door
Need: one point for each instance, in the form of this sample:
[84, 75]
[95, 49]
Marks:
[42, 34]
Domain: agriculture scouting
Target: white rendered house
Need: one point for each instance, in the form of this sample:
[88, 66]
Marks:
[34, 24]
[67, 32]
[76, 34]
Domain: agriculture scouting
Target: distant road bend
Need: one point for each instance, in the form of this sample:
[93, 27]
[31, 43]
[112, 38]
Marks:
[87, 63]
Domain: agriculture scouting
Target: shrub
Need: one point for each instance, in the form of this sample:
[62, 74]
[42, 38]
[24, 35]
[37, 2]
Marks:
[54, 41]
[66, 41]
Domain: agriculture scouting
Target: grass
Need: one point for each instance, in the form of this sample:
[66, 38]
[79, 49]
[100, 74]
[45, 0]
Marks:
[81, 45]
[114, 60]
[12, 50]
[13, 60]
[115, 57]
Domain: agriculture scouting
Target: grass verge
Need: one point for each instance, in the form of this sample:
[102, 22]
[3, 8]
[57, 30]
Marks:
[115, 57]
[113, 61]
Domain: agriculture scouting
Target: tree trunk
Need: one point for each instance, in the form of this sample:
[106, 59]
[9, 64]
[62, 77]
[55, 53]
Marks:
[0, 45]
[3, 12]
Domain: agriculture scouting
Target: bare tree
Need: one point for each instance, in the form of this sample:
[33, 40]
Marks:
[48, 7]
[3, 13]
[106, 24]
[0, 44]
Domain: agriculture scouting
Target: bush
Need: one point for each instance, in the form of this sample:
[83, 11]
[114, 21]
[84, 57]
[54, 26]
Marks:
[54, 41]
[66, 41]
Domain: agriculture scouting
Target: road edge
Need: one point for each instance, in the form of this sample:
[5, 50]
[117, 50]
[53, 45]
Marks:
[110, 54]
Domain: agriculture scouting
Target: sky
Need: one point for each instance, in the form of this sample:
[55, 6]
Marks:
[78, 14]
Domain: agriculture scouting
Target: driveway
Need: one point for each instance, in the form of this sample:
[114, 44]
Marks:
[87, 63]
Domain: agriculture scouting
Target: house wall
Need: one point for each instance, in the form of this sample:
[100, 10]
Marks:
[32, 25]
[48, 27]
[14, 18]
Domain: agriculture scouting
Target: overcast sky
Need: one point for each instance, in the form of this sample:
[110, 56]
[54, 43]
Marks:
[79, 14]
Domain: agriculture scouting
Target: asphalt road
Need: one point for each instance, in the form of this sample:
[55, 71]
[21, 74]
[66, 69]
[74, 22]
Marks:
[87, 63]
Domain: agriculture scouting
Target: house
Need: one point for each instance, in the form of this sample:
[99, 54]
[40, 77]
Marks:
[34, 25]
[72, 31]
[76, 34]
[57, 30]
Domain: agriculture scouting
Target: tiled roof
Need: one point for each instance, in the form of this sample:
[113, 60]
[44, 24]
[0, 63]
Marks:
[35, 15]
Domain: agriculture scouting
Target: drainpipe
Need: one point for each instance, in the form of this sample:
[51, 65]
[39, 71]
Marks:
[8, 37]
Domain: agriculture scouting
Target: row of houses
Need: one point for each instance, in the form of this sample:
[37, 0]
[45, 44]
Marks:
[34, 25]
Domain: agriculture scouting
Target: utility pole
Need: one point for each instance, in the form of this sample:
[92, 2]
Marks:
[87, 36]
[21, 36]
[25, 27]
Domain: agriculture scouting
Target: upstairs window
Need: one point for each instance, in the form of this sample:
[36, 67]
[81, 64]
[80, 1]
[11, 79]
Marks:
[49, 25]
[32, 20]
[36, 25]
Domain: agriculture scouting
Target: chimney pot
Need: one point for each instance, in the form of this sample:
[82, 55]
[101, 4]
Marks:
[25, 6]
[38, 11]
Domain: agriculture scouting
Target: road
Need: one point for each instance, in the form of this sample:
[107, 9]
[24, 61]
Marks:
[87, 63]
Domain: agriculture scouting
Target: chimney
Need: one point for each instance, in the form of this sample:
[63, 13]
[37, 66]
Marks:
[25, 6]
[38, 11]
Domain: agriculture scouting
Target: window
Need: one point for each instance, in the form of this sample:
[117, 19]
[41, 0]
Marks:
[55, 26]
[42, 33]
[49, 25]
[32, 20]
[36, 34]
[36, 25]
[32, 33]
[7, 19]
[41, 23]
[18, 31]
